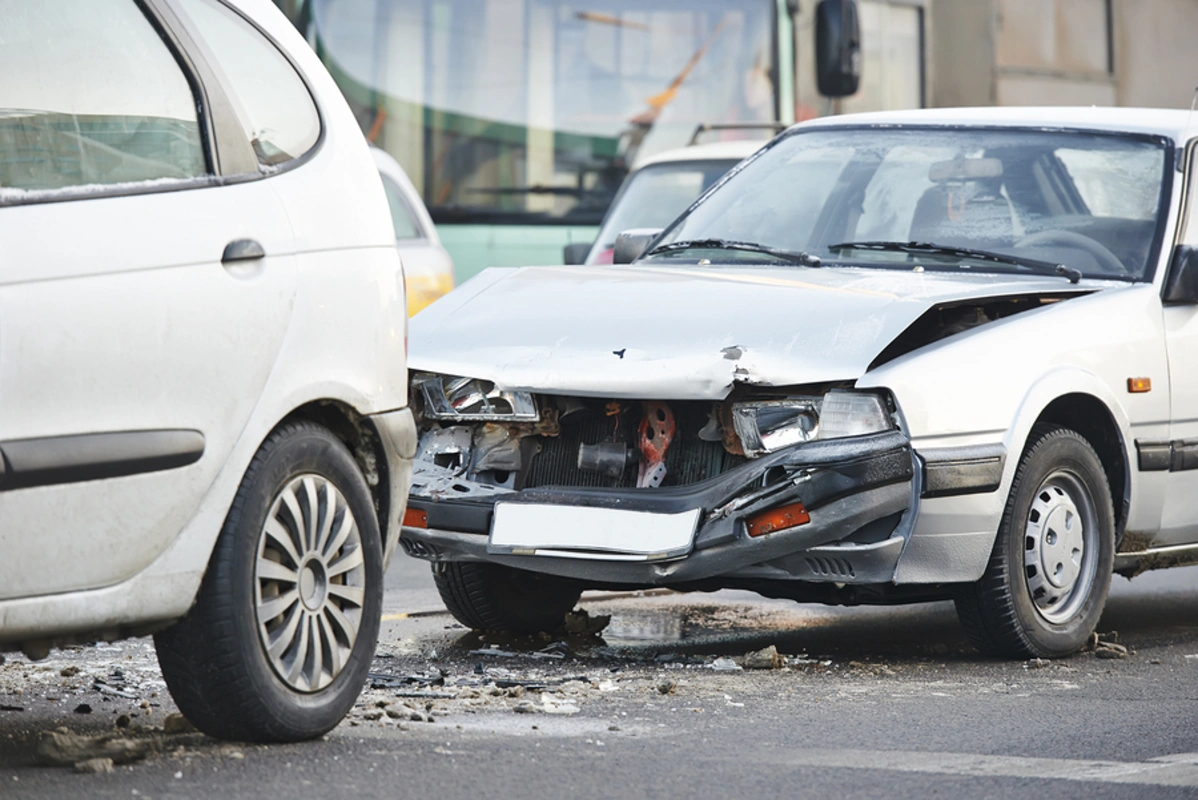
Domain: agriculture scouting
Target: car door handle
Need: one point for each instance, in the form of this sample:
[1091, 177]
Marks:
[242, 250]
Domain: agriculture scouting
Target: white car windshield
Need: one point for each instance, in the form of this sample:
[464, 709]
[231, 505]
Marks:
[1004, 200]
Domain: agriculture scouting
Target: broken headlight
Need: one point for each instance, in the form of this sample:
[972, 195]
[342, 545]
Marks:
[770, 425]
[844, 413]
[463, 399]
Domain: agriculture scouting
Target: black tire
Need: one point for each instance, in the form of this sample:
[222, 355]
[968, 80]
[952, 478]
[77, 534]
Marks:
[492, 597]
[1021, 608]
[214, 660]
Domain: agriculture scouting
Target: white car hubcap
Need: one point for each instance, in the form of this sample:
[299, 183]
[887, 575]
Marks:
[1059, 547]
[310, 582]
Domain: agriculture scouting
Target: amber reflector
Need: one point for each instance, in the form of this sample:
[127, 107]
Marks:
[415, 518]
[1139, 385]
[777, 519]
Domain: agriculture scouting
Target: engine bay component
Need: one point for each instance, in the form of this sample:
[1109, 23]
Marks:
[467, 399]
[609, 458]
[770, 425]
[655, 434]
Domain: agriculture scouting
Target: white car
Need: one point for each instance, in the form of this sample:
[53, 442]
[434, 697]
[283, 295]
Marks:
[427, 266]
[203, 401]
[661, 188]
[892, 357]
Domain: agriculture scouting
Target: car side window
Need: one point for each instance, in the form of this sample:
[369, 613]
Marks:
[271, 100]
[406, 226]
[90, 96]
[1189, 230]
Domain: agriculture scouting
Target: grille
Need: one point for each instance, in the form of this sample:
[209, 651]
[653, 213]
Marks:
[689, 459]
[836, 567]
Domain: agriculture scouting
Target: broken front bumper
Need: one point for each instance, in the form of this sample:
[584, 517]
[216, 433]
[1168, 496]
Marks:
[849, 487]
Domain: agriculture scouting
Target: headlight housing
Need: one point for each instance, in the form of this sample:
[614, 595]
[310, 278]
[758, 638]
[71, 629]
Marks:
[844, 413]
[769, 425]
[450, 398]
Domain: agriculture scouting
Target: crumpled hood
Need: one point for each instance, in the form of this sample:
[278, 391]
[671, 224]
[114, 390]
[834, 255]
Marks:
[684, 333]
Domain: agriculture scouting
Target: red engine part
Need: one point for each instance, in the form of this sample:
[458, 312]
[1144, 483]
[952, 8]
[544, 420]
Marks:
[656, 433]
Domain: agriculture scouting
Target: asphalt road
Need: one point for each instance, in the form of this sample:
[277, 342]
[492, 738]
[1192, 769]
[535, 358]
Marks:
[872, 702]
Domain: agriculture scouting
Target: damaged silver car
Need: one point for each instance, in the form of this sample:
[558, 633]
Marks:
[891, 358]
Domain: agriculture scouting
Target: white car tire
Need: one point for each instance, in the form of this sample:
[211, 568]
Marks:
[1046, 584]
[283, 631]
[492, 597]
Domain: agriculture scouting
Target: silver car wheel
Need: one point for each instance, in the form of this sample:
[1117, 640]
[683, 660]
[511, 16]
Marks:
[310, 579]
[1060, 546]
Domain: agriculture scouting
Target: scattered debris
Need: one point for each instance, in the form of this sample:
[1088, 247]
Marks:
[94, 766]
[767, 658]
[724, 665]
[69, 672]
[372, 716]
[123, 721]
[7, 707]
[526, 707]
[62, 748]
[83, 708]
[1111, 650]
[177, 723]
[580, 623]
[1037, 663]
[667, 686]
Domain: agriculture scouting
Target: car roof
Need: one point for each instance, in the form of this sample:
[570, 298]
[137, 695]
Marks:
[712, 151]
[1178, 124]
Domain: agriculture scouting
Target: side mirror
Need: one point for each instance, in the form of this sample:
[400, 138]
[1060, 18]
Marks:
[576, 253]
[837, 48]
[631, 245]
[1182, 284]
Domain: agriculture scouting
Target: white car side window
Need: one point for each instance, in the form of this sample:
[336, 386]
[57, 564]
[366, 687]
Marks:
[1189, 231]
[90, 96]
[272, 103]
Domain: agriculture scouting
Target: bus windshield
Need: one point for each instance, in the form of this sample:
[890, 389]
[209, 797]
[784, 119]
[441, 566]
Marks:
[532, 111]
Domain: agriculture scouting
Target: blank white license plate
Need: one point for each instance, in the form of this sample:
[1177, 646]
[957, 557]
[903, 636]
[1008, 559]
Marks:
[584, 532]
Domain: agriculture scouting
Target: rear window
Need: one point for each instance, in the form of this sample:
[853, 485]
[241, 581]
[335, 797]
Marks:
[271, 101]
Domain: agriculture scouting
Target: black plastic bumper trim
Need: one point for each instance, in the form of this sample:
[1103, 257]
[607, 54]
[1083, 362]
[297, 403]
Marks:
[95, 456]
[973, 469]
[838, 467]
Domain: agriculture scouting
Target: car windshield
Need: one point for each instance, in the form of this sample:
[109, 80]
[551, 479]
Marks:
[654, 196]
[901, 198]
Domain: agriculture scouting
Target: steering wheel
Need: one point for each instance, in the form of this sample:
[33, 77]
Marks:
[1107, 261]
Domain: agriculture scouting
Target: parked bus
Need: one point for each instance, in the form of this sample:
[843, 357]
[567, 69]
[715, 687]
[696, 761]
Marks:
[518, 119]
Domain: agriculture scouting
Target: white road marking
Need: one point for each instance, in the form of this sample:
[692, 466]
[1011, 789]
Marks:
[1172, 770]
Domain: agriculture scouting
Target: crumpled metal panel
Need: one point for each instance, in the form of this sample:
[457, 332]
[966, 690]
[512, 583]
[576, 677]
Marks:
[683, 333]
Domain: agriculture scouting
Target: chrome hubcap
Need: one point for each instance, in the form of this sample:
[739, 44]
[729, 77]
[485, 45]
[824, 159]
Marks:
[1060, 547]
[310, 582]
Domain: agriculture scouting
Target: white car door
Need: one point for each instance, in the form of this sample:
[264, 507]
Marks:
[143, 294]
[1179, 455]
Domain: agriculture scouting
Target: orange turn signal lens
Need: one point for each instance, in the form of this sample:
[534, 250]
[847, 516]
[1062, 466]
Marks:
[1139, 385]
[415, 518]
[777, 519]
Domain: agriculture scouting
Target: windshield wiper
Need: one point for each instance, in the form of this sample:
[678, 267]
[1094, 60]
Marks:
[1035, 265]
[749, 247]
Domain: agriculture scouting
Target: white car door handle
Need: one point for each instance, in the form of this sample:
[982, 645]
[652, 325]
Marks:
[242, 250]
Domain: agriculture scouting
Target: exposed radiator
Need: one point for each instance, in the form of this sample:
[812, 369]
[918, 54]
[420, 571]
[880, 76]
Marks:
[688, 459]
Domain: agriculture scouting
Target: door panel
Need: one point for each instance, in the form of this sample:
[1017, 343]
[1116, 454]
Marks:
[117, 315]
